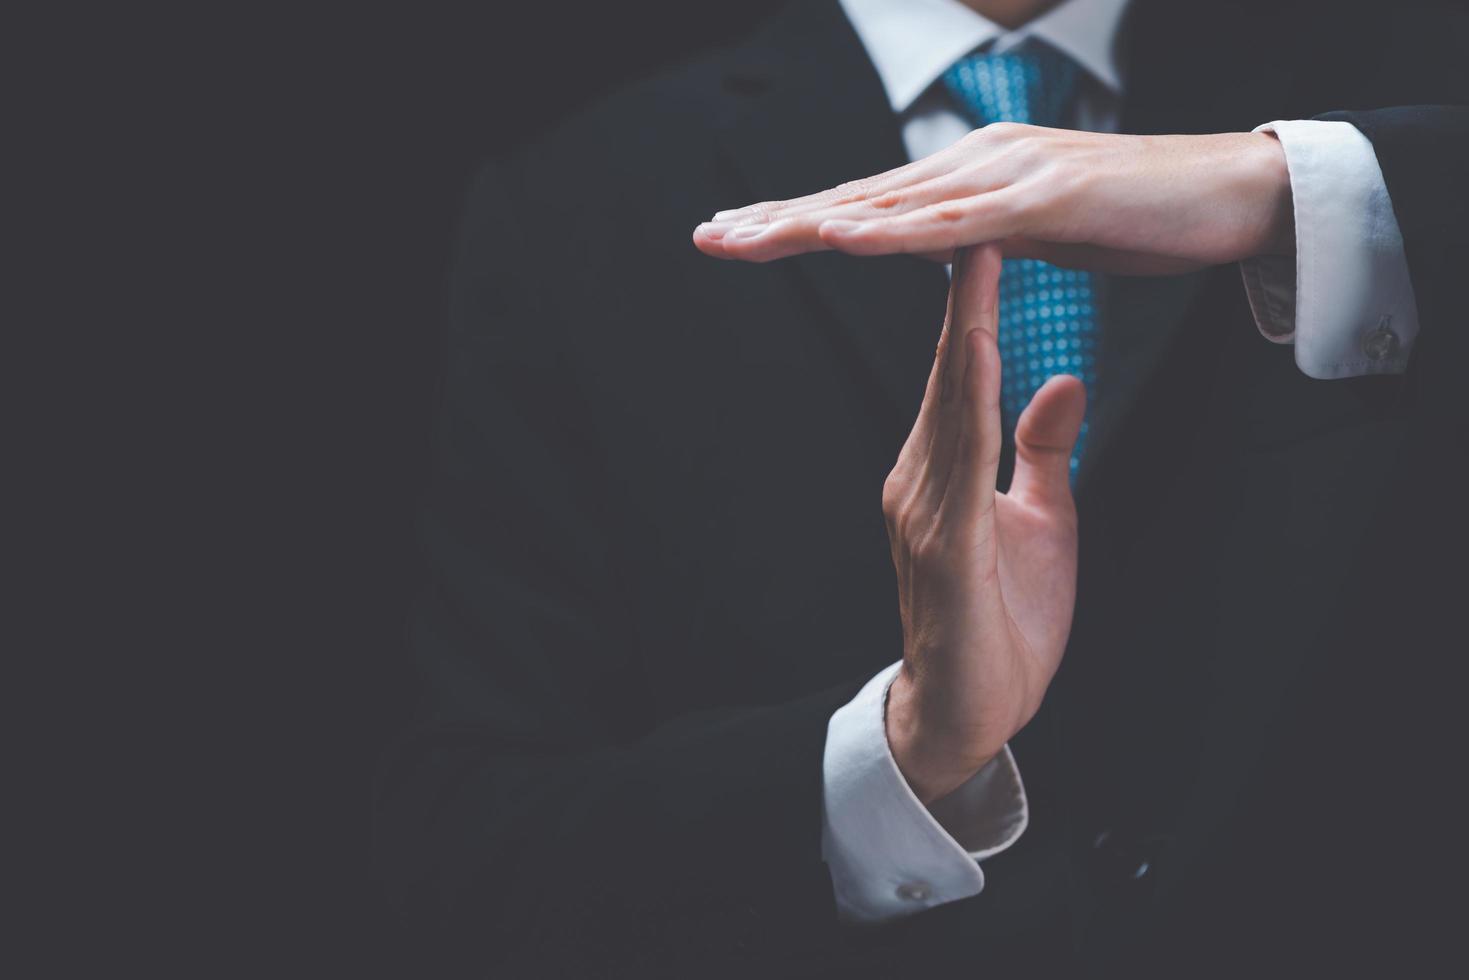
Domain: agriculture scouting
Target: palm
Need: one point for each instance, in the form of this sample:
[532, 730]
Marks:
[1036, 568]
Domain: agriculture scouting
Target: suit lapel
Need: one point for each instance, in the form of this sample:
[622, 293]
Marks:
[1141, 317]
[1172, 87]
[809, 111]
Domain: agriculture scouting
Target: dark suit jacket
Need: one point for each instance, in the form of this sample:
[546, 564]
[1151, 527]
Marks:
[658, 564]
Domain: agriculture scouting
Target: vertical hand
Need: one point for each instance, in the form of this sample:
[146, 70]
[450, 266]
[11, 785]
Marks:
[986, 581]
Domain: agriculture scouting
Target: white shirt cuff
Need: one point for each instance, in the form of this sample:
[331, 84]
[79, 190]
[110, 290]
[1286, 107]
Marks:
[889, 855]
[1346, 300]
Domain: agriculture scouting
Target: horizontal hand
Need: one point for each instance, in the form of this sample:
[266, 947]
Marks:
[1113, 203]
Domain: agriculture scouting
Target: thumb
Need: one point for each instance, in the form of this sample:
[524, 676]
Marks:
[1044, 439]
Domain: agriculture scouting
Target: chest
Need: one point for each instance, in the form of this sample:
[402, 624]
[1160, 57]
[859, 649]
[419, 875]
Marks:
[751, 443]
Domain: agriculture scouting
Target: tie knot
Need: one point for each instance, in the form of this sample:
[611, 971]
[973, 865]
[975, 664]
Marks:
[1032, 83]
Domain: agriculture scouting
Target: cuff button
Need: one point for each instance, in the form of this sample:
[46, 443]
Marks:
[1380, 343]
[913, 891]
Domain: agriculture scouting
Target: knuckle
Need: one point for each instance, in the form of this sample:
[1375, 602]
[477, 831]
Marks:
[909, 529]
[893, 494]
[1025, 148]
[950, 212]
[755, 213]
[1076, 182]
[928, 551]
[1003, 132]
[1027, 152]
[888, 200]
[1050, 196]
[1009, 208]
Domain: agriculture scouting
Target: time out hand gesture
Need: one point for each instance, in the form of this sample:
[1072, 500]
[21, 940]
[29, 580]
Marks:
[986, 580]
[1103, 201]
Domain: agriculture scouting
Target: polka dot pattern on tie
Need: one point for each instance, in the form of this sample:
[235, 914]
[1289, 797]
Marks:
[1048, 315]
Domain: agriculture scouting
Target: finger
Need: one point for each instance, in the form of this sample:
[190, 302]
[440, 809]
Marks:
[970, 495]
[711, 236]
[909, 478]
[916, 447]
[710, 246]
[851, 191]
[763, 243]
[975, 303]
[906, 481]
[1045, 437]
[937, 227]
[927, 182]
[962, 169]
[794, 233]
[918, 477]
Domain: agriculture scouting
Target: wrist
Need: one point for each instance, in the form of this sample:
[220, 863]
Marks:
[1270, 175]
[934, 758]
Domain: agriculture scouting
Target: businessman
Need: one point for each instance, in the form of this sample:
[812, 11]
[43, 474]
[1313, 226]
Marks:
[714, 686]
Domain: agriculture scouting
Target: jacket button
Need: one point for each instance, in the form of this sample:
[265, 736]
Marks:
[1120, 858]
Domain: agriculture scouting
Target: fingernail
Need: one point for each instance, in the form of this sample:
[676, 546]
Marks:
[715, 229]
[841, 227]
[726, 215]
[744, 232]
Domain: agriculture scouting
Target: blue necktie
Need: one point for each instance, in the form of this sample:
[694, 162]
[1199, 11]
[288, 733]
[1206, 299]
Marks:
[1048, 316]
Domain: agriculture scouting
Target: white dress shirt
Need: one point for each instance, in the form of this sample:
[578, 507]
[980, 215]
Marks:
[1344, 301]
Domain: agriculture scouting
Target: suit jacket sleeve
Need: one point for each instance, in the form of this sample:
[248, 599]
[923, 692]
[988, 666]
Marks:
[545, 806]
[1424, 154]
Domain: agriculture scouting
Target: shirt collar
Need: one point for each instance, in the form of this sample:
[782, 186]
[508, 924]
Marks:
[913, 42]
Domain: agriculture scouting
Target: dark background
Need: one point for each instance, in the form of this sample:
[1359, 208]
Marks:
[403, 108]
[349, 138]
[253, 213]
[424, 97]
